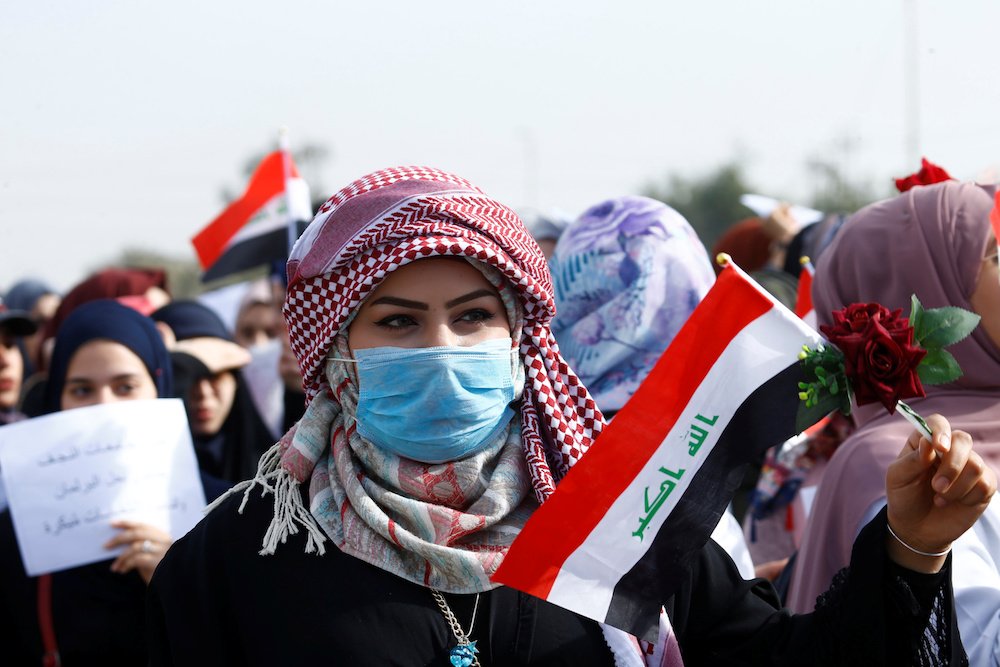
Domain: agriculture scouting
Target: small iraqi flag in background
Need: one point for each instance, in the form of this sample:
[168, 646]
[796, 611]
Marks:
[254, 230]
[613, 541]
[803, 299]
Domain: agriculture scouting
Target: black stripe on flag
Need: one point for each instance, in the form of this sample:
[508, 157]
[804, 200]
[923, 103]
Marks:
[261, 250]
[766, 418]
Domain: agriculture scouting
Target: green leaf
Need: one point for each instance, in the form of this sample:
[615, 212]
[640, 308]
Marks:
[938, 367]
[806, 416]
[941, 327]
[916, 316]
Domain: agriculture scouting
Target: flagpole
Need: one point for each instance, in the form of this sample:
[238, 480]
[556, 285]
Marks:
[286, 163]
[911, 75]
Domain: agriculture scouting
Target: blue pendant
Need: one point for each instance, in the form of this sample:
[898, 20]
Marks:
[463, 654]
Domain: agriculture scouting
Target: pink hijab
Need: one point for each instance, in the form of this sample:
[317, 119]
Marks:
[929, 241]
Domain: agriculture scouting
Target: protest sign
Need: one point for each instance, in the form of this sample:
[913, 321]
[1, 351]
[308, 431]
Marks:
[70, 474]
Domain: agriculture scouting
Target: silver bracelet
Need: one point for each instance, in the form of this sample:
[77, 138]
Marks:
[916, 551]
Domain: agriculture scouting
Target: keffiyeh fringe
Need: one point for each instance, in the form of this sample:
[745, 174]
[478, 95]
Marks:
[289, 512]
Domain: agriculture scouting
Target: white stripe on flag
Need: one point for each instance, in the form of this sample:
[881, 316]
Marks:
[810, 319]
[273, 215]
[764, 348]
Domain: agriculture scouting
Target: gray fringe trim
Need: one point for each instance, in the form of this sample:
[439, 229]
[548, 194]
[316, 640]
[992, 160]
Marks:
[290, 515]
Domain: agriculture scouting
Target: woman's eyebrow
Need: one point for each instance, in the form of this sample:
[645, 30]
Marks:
[396, 301]
[469, 297]
[126, 376]
[116, 378]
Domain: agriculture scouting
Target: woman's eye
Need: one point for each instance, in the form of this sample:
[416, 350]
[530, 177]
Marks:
[79, 391]
[396, 322]
[125, 389]
[476, 315]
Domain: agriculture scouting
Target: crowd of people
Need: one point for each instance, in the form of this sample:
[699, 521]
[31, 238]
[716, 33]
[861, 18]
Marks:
[374, 425]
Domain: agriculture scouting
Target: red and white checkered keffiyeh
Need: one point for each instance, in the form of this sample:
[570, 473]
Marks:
[399, 215]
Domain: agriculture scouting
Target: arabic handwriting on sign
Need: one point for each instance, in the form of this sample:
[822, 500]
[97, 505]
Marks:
[63, 523]
[698, 434]
[76, 486]
[98, 514]
[92, 484]
[59, 457]
[661, 497]
[101, 447]
[114, 477]
[103, 515]
[68, 488]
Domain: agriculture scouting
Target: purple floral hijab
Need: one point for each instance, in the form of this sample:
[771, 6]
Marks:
[627, 274]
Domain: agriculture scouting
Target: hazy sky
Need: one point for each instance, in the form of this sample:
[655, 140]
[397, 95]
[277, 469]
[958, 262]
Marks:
[121, 122]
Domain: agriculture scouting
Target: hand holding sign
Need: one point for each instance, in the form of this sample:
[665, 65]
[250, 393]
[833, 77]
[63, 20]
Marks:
[144, 545]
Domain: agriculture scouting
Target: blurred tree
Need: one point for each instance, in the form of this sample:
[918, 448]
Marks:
[711, 202]
[835, 190]
[835, 186]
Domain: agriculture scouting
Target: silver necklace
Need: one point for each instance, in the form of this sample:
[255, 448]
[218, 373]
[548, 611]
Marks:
[463, 655]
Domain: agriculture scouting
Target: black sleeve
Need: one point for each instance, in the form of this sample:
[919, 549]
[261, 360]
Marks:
[875, 613]
[186, 606]
[19, 634]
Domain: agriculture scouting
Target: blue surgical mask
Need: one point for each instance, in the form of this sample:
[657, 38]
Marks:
[435, 404]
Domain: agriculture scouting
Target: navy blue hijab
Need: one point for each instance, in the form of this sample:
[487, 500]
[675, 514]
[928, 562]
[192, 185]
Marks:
[107, 319]
[191, 319]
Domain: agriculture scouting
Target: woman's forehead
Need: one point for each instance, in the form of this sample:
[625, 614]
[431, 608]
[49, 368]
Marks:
[432, 280]
[104, 355]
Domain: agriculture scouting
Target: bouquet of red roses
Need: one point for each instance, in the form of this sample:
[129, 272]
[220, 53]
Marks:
[876, 355]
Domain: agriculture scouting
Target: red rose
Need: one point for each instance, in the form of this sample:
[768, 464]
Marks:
[880, 359]
[854, 319]
[929, 174]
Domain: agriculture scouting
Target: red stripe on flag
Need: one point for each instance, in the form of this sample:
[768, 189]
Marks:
[562, 524]
[267, 182]
[804, 299]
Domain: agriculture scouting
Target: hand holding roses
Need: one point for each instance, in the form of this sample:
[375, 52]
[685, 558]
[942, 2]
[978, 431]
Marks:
[879, 356]
[936, 490]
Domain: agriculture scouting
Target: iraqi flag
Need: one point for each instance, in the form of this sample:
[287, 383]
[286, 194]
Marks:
[613, 541]
[254, 230]
[803, 299]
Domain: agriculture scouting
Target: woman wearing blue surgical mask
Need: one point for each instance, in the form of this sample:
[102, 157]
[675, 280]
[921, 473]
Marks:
[435, 362]
[440, 414]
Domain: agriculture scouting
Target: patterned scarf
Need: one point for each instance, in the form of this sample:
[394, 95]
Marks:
[627, 275]
[446, 526]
